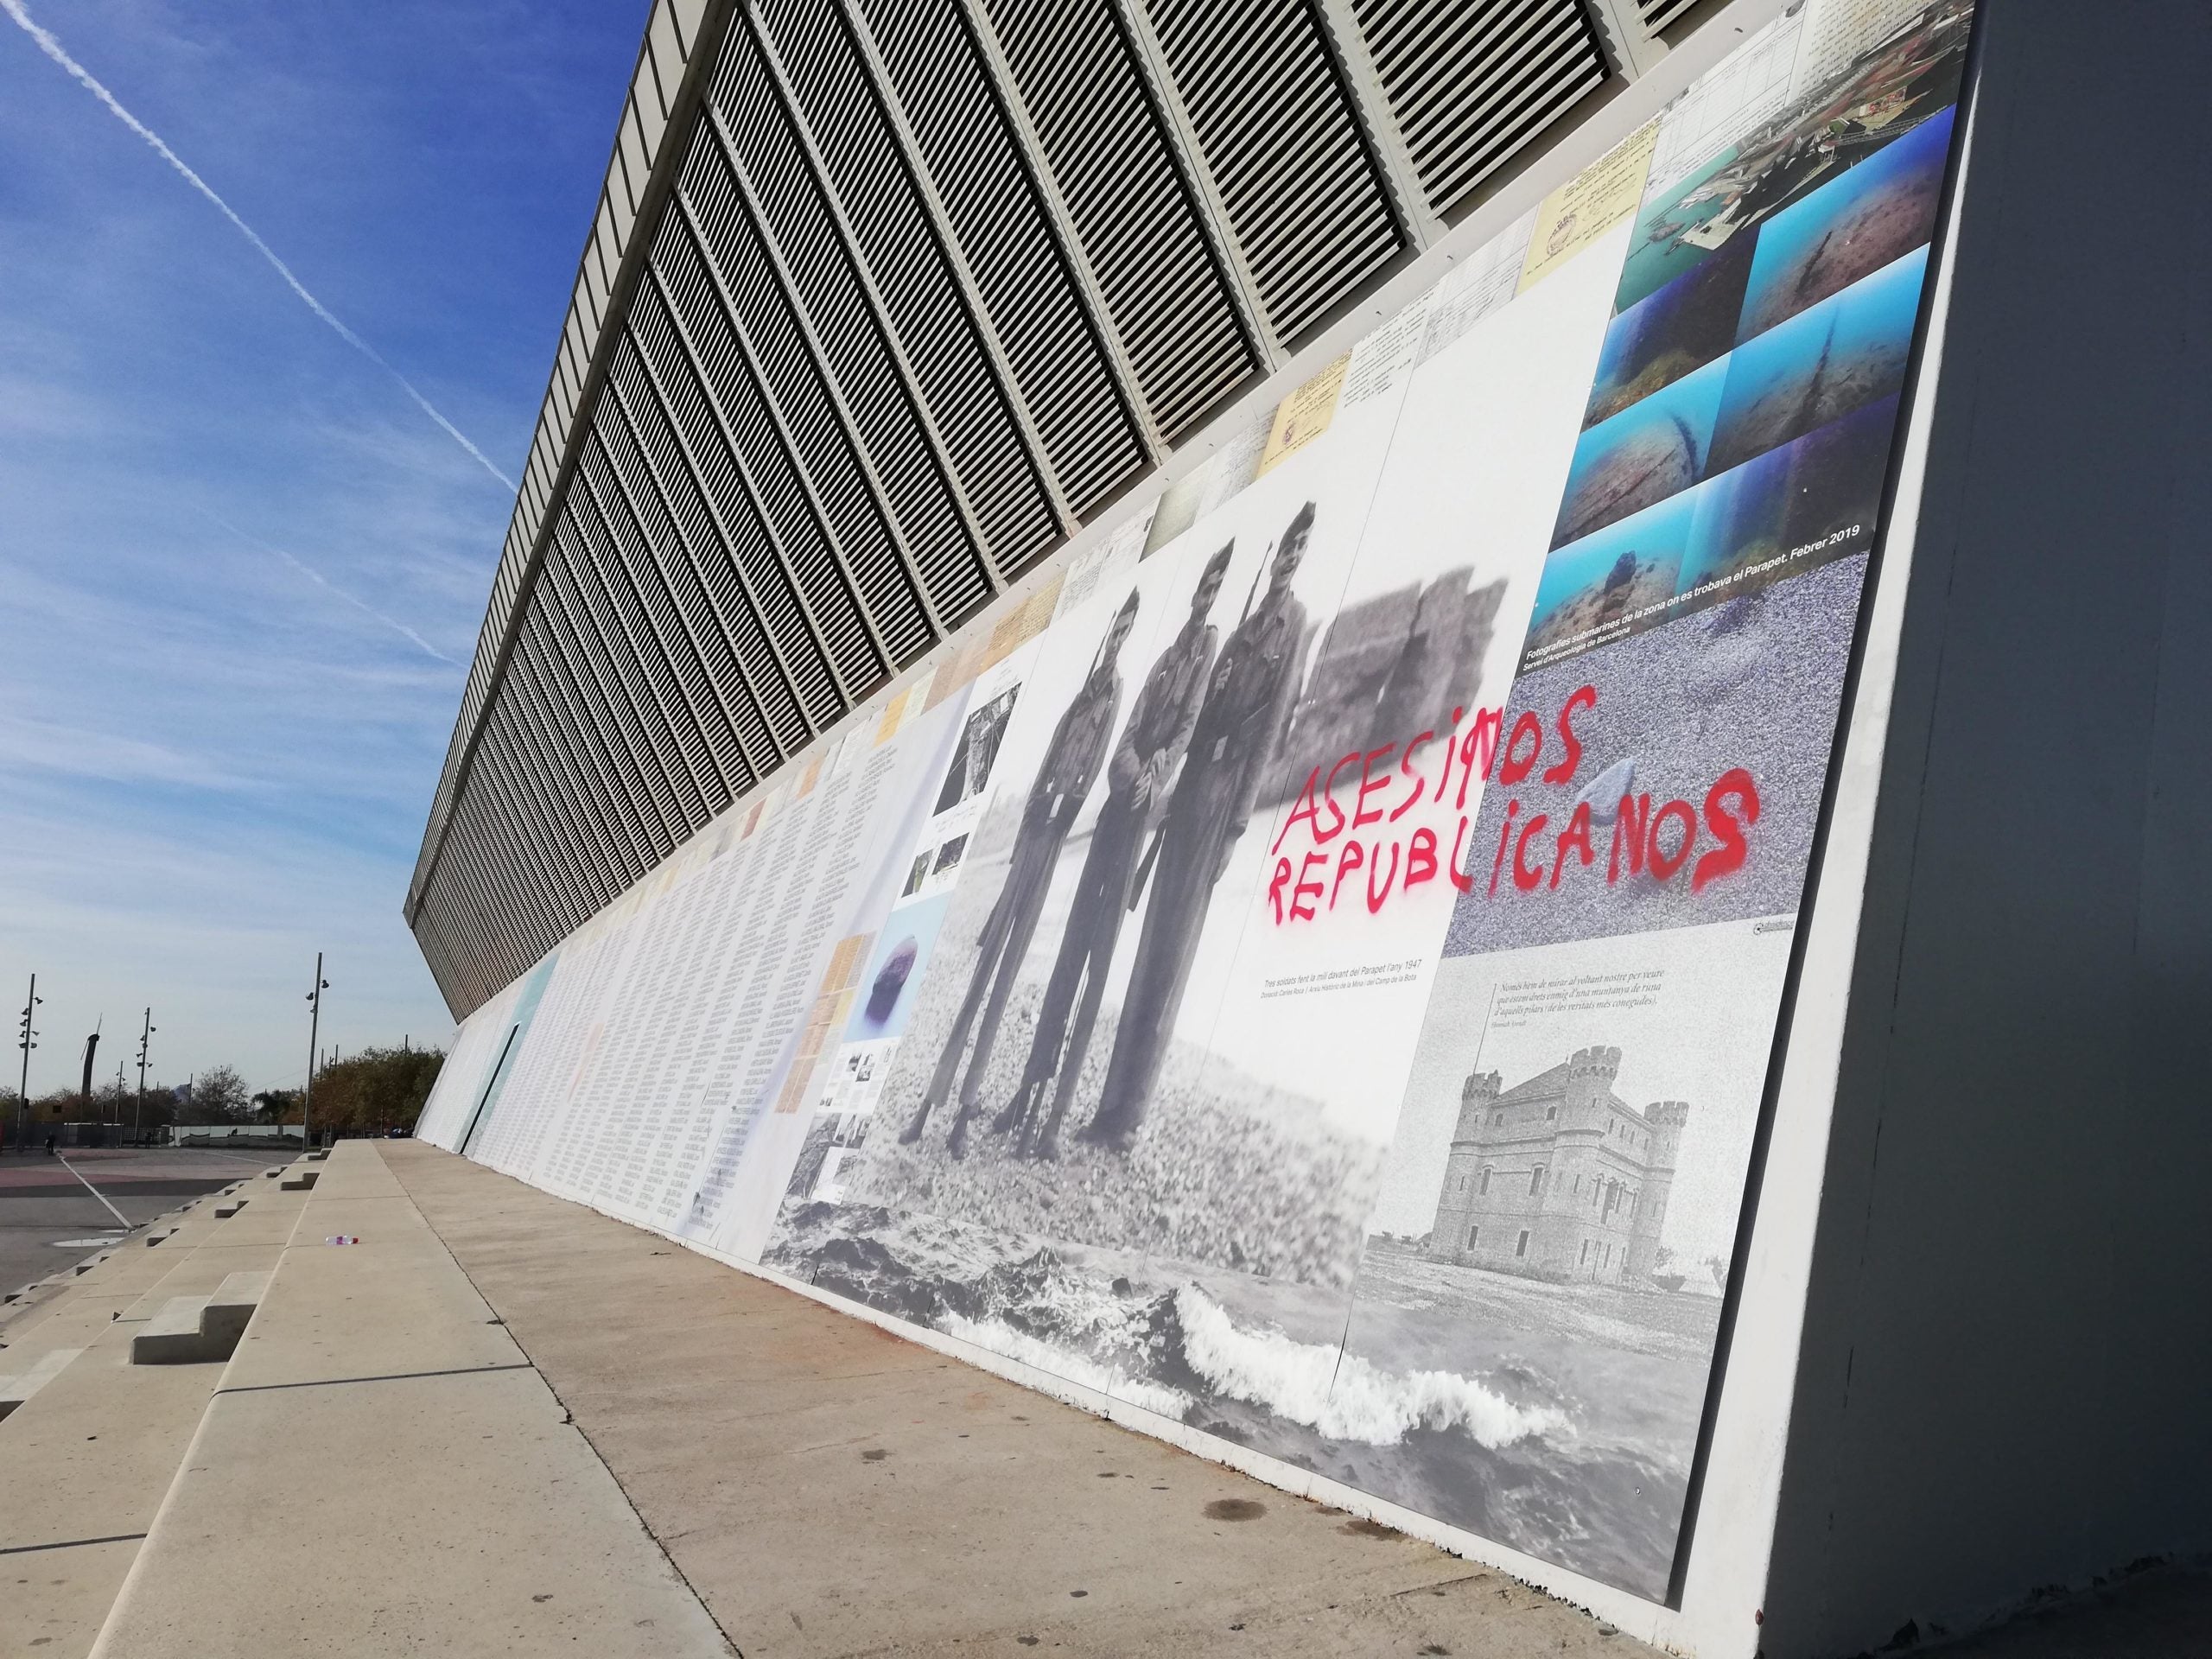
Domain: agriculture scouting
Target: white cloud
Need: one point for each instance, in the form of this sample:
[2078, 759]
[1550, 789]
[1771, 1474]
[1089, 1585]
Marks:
[221, 942]
[81, 751]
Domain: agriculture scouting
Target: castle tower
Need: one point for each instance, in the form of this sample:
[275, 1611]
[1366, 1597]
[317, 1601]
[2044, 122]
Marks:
[1476, 1096]
[1590, 1074]
[1447, 1234]
[1666, 1119]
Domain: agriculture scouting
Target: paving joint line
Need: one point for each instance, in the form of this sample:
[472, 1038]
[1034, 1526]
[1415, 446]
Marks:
[389, 1376]
[70, 1543]
[568, 1413]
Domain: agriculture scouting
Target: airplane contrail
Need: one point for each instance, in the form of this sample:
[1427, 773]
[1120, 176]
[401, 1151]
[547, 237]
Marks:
[52, 49]
[330, 586]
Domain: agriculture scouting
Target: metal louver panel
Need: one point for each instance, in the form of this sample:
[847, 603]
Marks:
[719, 396]
[1305, 198]
[836, 319]
[551, 755]
[866, 187]
[650, 471]
[547, 868]
[613, 715]
[545, 689]
[571, 720]
[671, 424]
[774, 364]
[1658, 13]
[1168, 297]
[674, 657]
[1471, 81]
[715, 684]
[612, 593]
[999, 226]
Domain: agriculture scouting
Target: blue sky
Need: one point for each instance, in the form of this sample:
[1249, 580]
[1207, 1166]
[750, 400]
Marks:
[212, 764]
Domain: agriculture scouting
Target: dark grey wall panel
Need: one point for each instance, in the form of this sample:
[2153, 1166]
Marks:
[2022, 1100]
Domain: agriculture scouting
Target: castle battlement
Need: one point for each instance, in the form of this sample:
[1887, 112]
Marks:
[1598, 1062]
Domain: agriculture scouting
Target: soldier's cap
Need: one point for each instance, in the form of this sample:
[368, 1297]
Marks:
[1217, 565]
[1301, 523]
[1128, 605]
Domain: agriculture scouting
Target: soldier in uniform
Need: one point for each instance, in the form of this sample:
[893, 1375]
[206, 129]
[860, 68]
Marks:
[1240, 727]
[1136, 782]
[1063, 779]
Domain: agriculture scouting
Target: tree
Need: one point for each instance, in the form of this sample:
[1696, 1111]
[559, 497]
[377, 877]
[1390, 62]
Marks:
[277, 1106]
[218, 1096]
[376, 1090]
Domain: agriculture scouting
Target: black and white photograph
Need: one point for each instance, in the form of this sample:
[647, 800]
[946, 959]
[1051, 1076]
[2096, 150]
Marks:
[948, 855]
[976, 751]
[1135, 1128]
[1540, 1295]
[1055, 1092]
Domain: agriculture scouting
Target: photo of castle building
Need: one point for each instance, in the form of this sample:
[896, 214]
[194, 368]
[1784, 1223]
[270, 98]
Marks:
[1558, 1177]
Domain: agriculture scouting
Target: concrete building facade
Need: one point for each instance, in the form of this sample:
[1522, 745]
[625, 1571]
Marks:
[810, 419]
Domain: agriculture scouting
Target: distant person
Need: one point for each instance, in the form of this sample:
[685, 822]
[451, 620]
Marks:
[49, 1146]
[1071, 766]
[1241, 725]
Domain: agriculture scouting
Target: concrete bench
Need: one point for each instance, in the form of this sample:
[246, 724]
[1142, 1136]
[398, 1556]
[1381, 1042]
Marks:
[299, 1180]
[225, 1211]
[156, 1238]
[196, 1330]
[231, 1307]
[273, 1171]
[14, 1390]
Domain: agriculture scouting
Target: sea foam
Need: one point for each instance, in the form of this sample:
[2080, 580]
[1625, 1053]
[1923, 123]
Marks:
[1352, 1400]
[1003, 1339]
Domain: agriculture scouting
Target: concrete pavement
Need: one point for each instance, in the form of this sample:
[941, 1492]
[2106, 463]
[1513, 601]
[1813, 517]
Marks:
[469, 1418]
[42, 1204]
[829, 1489]
[86, 1461]
[380, 1440]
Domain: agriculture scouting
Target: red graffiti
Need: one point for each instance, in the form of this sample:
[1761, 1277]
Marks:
[1319, 851]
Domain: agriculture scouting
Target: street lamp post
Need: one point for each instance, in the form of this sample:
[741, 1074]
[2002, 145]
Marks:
[145, 1037]
[314, 1020]
[26, 1041]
